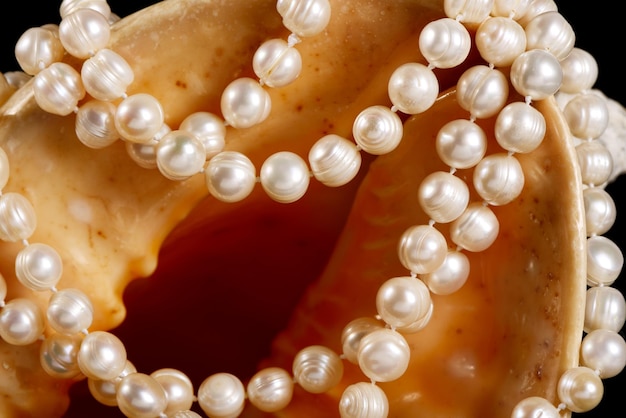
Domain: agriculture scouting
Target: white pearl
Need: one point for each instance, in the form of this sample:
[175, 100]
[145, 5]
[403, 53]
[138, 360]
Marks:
[140, 396]
[536, 8]
[21, 322]
[317, 369]
[245, 103]
[413, 88]
[208, 128]
[512, 9]
[270, 389]
[580, 71]
[37, 49]
[178, 389]
[304, 17]
[180, 155]
[18, 219]
[276, 63]
[461, 143]
[4, 175]
[476, 229]
[587, 115]
[482, 91]
[595, 161]
[106, 75]
[550, 31]
[144, 155]
[420, 324]
[105, 391]
[443, 196]
[70, 311]
[605, 308]
[139, 118]
[222, 395]
[600, 210]
[536, 74]
[400, 301]
[352, 334]
[422, 249]
[363, 400]
[230, 176]
[451, 276]
[580, 389]
[95, 124]
[535, 406]
[604, 261]
[498, 179]
[102, 356]
[58, 89]
[69, 6]
[377, 130]
[285, 177]
[604, 351]
[500, 40]
[384, 355]
[58, 353]
[519, 128]
[334, 160]
[445, 43]
[38, 267]
[84, 32]
[469, 11]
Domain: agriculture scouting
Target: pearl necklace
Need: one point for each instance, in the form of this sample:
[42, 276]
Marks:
[426, 265]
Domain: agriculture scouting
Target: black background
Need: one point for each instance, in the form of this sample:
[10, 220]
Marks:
[598, 30]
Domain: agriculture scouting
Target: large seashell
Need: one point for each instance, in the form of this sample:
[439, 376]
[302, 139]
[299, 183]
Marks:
[254, 282]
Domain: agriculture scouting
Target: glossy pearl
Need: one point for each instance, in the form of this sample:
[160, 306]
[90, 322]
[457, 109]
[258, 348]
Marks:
[536, 74]
[102, 356]
[476, 229]
[595, 161]
[500, 40]
[604, 351]
[58, 89]
[352, 334]
[498, 179]
[58, 353]
[106, 75]
[18, 219]
[285, 177]
[600, 210]
[520, 128]
[469, 11]
[443, 196]
[37, 49]
[276, 63]
[363, 400]
[230, 176]
[461, 143]
[270, 389]
[401, 301]
[95, 124]
[535, 406]
[536, 8]
[304, 17]
[141, 396]
[222, 395]
[69, 6]
[422, 249]
[551, 32]
[38, 267]
[180, 155]
[580, 71]
[317, 369]
[208, 128]
[604, 261]
[445, 43]
[334, 160]
[139, 118]
[384, 355]
[144, 155]
[377, 130]
[420, 324]
[587, 115]
[21, 322]
[482, 91]
[105, 391]
[70, 311]
[605, 308]
[451, 276]
[245, 103]
[84, 32]
[413, 88]
[580, 389]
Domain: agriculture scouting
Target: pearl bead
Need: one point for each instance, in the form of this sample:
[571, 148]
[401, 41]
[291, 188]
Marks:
[451, 276]
[352, 334]
[83, 32]
[105, 391]
[139, 118]
[18, 219]
[413, 88]
[445, 43]
[106, 75]
[587, 115]
[69, 311]
[498, 179]
[245, 103]
[38, 267]
[377, 130]
[580, 389]
[384, 355]
[500, 40]
[422, 249]
[285, 177]
[317, 369]
[270, 389]
[222, 395]
[512, 9]
[304, 17]
[536, 8]
[208, 128]
[334, 160]
[401, 301]
[443, 196]
[230, 176]
[180, 155]
[482, 91]
[476, 229]
[69, 6]
[604, 350]
[37, 49]
[604, 261]
[276, 63]
[363, 400]
[58, 89]
[95, 124]
[141, 396]
[535, 406]
[520, 128]
[469, 11]
[536, 74]
[595, 161]
[144, 155]
[461, 143]
[600, 210]
[420, 324]
[4, 176]
[57, 355]
[21, 322]
[550, 31]
[580, 71]
[102, 356]
[605, 308]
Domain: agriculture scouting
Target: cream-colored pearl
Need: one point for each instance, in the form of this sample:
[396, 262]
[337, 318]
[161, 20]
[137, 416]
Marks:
[38, 267]
[208, 128]
[139, 118]
[401, 301]
[58, 353]
[595, 161]
[500, 40]
[276, 63]
[469, 11]
[21, 322]
[604, 351]
[317, 369]
[498, 179]
[600, 210]
[604, 261]
[422, 249]
[106, 75]
[513, 9]
[334, 160]
[304, 17]
[413, 88]
[144, 155]
[230, 176]
[180, 155]
[58, 89]
[222, 395]
[461, 143]
[550, 31]
[105, 391]
[587, 115]
[451, 276]
[84, 32]
[141, 396]
[445, 43]
[18, 219]
[285, 177]
[95, 124]
[363, 400]
[270, 389]
[37, 49]
[580, 389]
[245, 103]
[520, 128]
[352, 334]
[102, 356]
[605, 308]
[384, 355]
[476, 229]
[443, 196]
[70, 311]
[536, 74]
[536, 8]
[482, 91]
[580, 71]
[69, 6]
[535, 406]
[377, 130]
[418, 325]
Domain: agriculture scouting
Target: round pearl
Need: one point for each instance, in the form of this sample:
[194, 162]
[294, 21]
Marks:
[317, 369]
[600, 210]
[222, 395]
[270, 389]
[276, 63]
[285, 177]
[422, 249]
[4, 175]
[106, 75]
[413, 88]
[580, 389]
[208, 128]
[84, 32]
[550, 31]
[105, 391]
[604, 351]
[141, 396]
[461, 143]
[476, 229]
[363, 400]
[535, 406]
[69, 6]
[102, 356]
[445, 43]
[536, 8]
[418, 325]
[512, 9]
[245, 103]
[38, 267]
[500, 40]
[580, 71]
[605, 308]
[334, 160]
[587, 115]
[37, 49]
[58, 353]
[604, 261]
[451, 276]
[498, 179]
[18, 219]
[482, 91]
[304, 17]
[469, 11]
[595, 161]
[139, 118]
[443, 196]
[519, 128]
[230, 176]
[536, 74]
[352, 334]
[70, 311]
[384, 355]
[21, 322]
[58, 89]
[401, 301]
[95, 124]
[180, 155]
[377, 130]
[144, 155]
